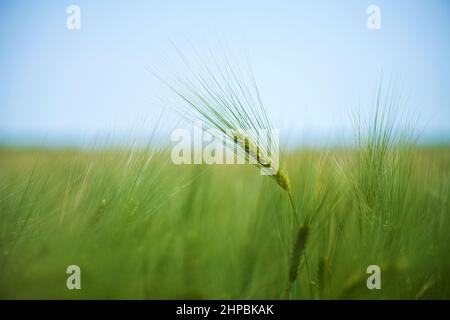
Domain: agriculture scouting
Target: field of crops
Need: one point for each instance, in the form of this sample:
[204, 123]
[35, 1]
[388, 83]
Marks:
[140, 227]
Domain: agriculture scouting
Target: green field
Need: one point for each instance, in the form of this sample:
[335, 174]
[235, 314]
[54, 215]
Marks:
[141, 227]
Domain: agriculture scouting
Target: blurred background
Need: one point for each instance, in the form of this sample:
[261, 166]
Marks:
[315, 62]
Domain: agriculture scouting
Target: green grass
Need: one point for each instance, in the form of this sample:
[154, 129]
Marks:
[141, 227]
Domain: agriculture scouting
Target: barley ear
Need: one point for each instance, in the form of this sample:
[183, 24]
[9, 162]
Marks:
[297, 251]
[322, 275]
[283, 180]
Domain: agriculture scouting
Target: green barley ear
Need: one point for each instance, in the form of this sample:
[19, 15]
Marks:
[225, 97]
[298, 249]
[322, 272]
[283, 180]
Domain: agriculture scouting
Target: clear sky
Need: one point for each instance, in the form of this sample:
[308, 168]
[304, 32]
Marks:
[314, 61]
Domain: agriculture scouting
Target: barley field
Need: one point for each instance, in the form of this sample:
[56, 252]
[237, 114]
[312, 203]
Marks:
[140, 227]
[366, 220]
[118, 119]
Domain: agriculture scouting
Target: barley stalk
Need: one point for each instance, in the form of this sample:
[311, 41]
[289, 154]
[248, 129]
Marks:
[223, 98]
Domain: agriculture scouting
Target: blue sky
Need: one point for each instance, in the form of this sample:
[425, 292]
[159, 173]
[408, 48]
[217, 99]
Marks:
[314, 62]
